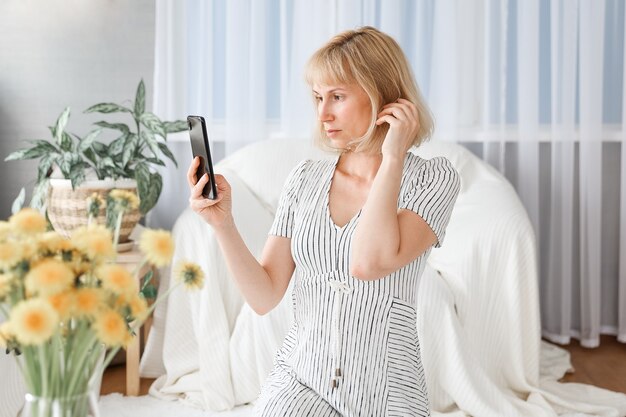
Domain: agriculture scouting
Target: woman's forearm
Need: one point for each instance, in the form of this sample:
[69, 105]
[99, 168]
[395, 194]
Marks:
[377, 236]
[251, 278]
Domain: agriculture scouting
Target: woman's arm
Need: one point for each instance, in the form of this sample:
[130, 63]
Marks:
[387, 238]
[262, 284]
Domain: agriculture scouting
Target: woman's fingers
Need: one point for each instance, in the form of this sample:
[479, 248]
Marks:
[196, 190]
[401, 109]
[410, 106]
[191, 172]
[387, 118]
[221, 184]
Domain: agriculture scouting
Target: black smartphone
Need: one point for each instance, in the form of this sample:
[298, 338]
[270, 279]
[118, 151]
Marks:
[200, 147]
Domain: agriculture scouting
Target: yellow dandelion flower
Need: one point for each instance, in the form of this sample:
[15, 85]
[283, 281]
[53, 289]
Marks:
[87, 302]
[125, 199]
[10, 254]
[28, 221]
[190, 274]
[52, 242]
[63, 303]
[5, 230]
[6, 283]
[6, 334]
[94, 202]
[158, 246]
[28, 248]
[96, 241]
[80, 267]
[117, 279]
[49, 277]
[138, 307]
[33, 321]
[111, 328]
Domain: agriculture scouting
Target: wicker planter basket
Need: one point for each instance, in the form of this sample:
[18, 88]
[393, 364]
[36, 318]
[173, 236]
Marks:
[67, 208]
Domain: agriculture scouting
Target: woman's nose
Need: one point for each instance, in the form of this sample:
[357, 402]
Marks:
[324, 113]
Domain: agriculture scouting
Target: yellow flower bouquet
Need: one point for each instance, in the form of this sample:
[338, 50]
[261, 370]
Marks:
[66, 301]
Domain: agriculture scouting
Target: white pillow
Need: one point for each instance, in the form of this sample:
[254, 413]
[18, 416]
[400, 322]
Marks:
[263, 166]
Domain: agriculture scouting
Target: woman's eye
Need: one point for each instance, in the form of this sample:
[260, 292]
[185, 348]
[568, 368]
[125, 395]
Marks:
[337, 97]
[318, 98]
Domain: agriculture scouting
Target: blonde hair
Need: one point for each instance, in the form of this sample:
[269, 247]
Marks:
[374, 61]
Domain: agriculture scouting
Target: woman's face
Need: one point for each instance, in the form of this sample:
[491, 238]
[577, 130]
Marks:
[344, 111]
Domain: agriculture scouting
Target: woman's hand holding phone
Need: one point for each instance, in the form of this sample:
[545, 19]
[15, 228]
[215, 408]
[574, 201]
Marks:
[218, 212]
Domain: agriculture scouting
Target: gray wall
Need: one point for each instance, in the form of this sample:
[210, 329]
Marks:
[58, 53]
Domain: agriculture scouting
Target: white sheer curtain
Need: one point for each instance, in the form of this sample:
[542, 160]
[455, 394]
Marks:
[534, 87]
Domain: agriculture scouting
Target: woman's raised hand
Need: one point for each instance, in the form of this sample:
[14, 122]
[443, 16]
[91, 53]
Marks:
[404, 124]
[216, 212]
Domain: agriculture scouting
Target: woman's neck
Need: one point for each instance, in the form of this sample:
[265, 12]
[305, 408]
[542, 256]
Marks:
[359, 165]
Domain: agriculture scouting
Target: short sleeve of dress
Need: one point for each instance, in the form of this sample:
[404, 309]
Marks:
[284, 218]
[432, 194]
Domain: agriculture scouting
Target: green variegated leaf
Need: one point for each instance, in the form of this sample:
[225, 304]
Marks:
[18, 203]
[140, 99]
[142, 174]
[66, 142]
[149, 139]
[149, 187]
[117, 146]
[39, 194]
[129, 148]
[31, 153]
[166, 151]
[88, 140]
[45, 144]
[66, 165]
[107, 108]
[176, 126]
[121, 173]
[100, 149]
[91, 155]
[60, 125]
[44, 166]
[155, 161]
[77, 175]
[152, 122]
[118, 126]
[75, 159]
[106, 162]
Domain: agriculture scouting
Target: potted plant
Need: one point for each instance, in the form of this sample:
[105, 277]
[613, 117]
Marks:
[72, 168]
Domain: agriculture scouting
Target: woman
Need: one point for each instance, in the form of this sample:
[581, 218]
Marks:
[357, 231]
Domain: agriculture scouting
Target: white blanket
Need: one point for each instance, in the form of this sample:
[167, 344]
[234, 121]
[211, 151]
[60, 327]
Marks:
[478, 305]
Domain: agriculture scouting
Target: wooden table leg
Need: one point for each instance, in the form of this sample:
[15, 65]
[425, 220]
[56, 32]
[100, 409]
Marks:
[132, 367]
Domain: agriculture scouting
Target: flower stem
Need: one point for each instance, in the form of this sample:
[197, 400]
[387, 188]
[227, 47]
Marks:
[84, 351]
[118, 226]
[44, 370]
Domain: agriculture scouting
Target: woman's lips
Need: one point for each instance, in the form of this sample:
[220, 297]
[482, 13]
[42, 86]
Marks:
[331, 132]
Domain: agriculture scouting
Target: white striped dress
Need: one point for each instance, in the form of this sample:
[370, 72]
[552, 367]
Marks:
[353, 349]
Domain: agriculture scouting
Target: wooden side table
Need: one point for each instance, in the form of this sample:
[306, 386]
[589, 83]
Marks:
[130, 260]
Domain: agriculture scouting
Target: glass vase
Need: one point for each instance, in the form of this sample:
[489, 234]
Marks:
[71, 406]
